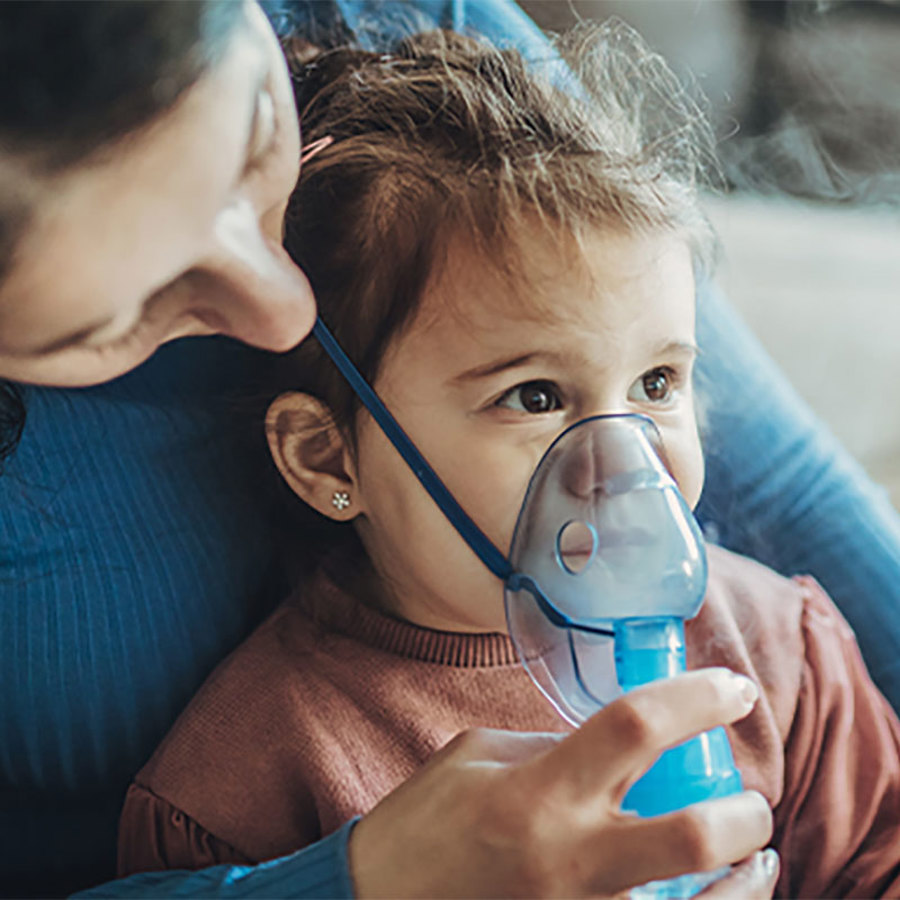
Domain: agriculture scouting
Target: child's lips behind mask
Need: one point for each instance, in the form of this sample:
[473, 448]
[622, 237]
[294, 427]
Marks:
[577, 555]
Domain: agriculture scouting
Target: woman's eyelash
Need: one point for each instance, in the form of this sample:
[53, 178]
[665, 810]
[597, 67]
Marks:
[148, 312]
[115, 343]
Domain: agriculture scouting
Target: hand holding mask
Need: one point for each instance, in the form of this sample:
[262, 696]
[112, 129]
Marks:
[609, 562]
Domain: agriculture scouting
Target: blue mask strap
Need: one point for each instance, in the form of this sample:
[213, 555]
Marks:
[477, 540]
[481, 545]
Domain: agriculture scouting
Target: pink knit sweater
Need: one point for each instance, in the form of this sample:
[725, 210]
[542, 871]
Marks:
[329, 705]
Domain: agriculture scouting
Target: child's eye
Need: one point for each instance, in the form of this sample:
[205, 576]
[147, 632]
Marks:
[532, 397]
[655, 386]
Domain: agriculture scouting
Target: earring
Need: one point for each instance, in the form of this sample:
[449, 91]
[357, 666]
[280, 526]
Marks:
[340, 500]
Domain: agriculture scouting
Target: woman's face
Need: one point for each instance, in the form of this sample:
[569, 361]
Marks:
[174, 231]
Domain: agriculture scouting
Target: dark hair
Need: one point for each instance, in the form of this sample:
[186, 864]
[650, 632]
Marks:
[448, 137]
[80, 76]
[83, 74]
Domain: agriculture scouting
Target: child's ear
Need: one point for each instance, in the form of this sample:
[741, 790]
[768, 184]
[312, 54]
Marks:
[312, 456]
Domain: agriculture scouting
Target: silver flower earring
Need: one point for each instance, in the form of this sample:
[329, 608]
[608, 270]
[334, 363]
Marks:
[340, 500]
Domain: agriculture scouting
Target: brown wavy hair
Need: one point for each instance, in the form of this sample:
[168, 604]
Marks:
[448, 136]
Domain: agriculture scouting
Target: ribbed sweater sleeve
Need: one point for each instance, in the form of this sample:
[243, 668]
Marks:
[320, 870]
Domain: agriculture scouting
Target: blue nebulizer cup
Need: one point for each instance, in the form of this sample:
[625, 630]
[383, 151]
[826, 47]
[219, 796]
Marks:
[609, 562]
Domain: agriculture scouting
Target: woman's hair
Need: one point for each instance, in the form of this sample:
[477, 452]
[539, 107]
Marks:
[78, 77]
[448, 137]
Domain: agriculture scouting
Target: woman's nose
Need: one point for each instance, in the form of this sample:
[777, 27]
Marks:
[260, 295]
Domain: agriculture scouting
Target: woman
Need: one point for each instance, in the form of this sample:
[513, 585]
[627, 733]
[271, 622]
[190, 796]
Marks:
[144, 207]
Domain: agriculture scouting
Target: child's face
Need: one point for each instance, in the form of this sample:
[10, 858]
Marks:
[485, 378]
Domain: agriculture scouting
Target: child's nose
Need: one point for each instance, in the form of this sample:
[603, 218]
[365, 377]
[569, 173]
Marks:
[608, 451]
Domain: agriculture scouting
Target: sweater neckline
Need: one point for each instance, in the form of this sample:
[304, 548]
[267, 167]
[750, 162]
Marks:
[336, 609]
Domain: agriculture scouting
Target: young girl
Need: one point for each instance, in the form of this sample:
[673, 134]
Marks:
[501, 258]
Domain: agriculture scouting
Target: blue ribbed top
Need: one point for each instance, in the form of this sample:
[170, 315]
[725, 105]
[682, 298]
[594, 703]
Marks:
[134, 555]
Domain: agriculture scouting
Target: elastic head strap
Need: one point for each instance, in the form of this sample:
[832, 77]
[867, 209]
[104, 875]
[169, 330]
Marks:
[479, 542]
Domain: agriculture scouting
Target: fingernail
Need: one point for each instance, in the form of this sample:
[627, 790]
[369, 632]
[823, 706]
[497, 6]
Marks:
[747, 690]
[770, 862]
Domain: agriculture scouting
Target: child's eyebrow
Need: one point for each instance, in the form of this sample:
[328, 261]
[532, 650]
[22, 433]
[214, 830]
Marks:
[502, 365]
[667, 348]
[683, 348]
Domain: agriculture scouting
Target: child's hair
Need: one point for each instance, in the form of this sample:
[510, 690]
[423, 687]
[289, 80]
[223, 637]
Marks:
[450, 137]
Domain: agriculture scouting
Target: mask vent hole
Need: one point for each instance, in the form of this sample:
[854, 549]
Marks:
[576, 546]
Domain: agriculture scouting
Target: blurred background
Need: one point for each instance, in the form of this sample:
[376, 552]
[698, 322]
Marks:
[805, 99]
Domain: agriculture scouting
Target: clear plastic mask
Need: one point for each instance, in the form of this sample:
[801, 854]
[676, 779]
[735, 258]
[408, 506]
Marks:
[603, 535]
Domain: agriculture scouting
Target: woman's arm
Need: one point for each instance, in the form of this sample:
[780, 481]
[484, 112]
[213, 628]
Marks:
[320, 870]
[781, 489]
[504, 814]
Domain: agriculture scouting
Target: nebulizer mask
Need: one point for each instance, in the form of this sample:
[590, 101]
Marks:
[606, 564]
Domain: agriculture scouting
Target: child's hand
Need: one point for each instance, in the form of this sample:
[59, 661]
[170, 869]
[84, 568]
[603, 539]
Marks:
[502, 814]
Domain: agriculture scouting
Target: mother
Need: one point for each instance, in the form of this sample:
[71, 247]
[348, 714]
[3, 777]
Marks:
[146, 154]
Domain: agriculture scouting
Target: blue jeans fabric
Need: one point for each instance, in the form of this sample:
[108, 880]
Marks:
[134, 554]
[781, 489]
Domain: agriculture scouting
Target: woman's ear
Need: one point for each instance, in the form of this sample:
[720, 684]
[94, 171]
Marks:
[312, 455]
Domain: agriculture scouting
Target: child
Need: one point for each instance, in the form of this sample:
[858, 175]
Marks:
[501, 259]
